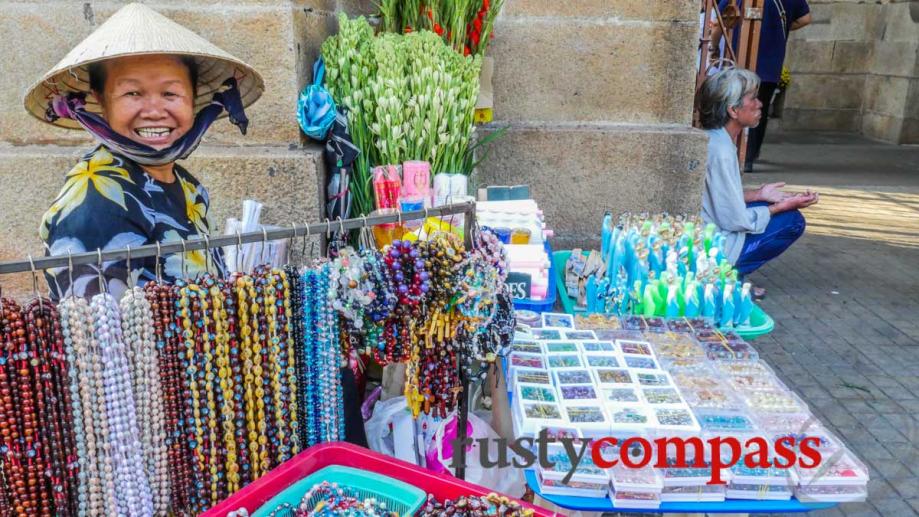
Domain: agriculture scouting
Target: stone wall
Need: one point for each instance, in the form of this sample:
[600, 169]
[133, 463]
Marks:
[597, 96]
[856, 69]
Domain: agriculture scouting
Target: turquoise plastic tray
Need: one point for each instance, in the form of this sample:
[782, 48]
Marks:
[398, 496]
[760, 322]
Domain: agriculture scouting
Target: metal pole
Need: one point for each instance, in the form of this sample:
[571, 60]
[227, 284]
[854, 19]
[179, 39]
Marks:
[468, 220]
[151, 250]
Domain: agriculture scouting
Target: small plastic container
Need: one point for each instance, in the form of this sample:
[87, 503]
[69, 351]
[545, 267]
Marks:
[643, 500]
[755, 382]
[527, 348]
[675, 420]
[597, 321]
[693, 494]
[653, 378]
[524, 360]
[844, 470]
[724, 422]
[564, 376]
[560, 347]
[621, 395]
[744, 368]
[627, 479]
[635, 347]
[629, 418]
[774, 401]
[597, 347]
[544, 334]
[589, 417]
[679, 325]
[698, 378]
[656, 324]
[558, 320]
[724, 351]
[831, 494]
[658, 397]
[614, 377]
[531, 417]
[716, 399]
[634, 322]
[674, 476]
[530, 376]
[536, 393]
[737, 490]
[643, 362]
[573, 488]
[564, 360]
[683, 363]
[677, 350]
[579, 335]
[603, 360]
[586, 470]
[745, 475]
[579, 393]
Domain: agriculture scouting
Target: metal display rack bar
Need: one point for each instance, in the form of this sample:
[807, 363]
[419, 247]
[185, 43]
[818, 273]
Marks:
[324, 228]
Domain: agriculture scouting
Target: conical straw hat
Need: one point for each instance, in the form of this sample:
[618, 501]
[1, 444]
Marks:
[137, 30]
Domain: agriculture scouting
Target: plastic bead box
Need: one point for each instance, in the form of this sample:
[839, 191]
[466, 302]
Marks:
[536, 393]
[553, 347]
[603, 347]
[530, 376]
[572, 488]
[527, 348]
[676, 420]
[614, 377]
[653, 378]
[590, 418]
[737, 490]
[694, 494]
[564, 376]
[636, 499]
[635, 347]
[640, 361]
[635, 480]
[659, 396]
[836, 494]
[579, 393]
[775, 401]
[524, 360]
[564, 361]
[579, 335]
[603, 361]
[621, 395]
[725, 351]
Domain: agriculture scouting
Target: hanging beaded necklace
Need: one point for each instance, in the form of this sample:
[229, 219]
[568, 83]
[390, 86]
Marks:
[132, 494]
[137, 326]
[162, 303]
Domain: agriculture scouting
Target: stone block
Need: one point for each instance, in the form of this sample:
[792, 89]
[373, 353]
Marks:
[850, 21]
[901, 23]
[851, 57]
[912, 100]
[809, 56]
[821, 119]
[886, 94]
[284, 180]
[643, 10]
[311, 28]
[578, 172]
[258, 32]
[825, 91]
[894, 57]
[593, 71]
[882, 127]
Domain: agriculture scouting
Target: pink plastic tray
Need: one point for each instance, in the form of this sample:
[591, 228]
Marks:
[442, 486]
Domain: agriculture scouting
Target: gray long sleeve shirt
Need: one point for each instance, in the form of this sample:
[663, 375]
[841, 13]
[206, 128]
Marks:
[723, 198]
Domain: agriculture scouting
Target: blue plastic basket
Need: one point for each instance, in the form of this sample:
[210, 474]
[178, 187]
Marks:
[760, 322]
[546, 305]
[399, 497]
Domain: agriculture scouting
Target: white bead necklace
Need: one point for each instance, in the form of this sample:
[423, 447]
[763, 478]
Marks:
[132, 495]
[139, 336]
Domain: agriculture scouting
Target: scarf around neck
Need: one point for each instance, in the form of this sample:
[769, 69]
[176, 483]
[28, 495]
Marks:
[73, 106]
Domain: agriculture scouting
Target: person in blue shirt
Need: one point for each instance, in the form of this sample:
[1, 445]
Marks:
[780, 17]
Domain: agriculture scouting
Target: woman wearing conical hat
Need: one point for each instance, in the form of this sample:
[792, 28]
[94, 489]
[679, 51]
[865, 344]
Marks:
[146, 89]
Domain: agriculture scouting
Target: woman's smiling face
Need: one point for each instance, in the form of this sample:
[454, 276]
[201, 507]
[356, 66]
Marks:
[149, 99]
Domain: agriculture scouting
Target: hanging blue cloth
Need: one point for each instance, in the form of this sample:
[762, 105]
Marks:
[315, 108]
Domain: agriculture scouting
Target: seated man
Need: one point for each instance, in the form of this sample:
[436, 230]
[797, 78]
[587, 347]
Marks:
[758, 224]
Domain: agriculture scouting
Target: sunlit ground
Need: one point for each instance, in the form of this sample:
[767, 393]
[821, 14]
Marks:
[858, 213]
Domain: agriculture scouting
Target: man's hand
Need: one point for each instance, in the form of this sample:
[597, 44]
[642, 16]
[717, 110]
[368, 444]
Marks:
[772, 193]
[795, 202]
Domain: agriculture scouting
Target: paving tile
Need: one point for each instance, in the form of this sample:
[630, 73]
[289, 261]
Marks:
[907, 487]
[859, 509]
[893, 507]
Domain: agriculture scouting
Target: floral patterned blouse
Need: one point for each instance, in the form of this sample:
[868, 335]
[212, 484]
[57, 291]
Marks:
[110, 202]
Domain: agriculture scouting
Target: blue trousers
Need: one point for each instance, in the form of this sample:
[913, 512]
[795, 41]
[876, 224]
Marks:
[783, 230]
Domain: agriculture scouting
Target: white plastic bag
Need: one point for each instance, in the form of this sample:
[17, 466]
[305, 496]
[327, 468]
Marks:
[392, 418]
[507, 480]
